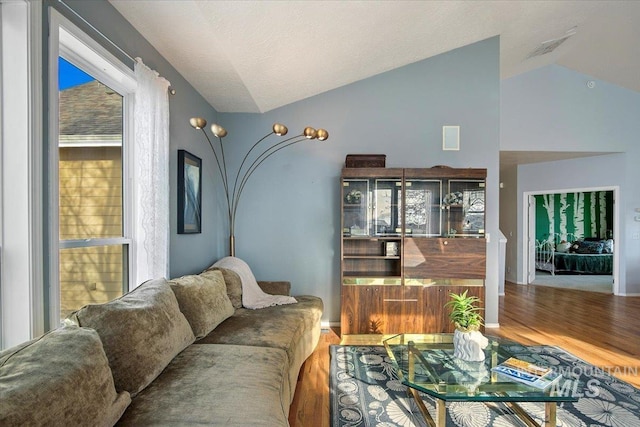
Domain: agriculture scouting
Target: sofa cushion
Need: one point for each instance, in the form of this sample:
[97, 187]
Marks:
[233, 283]
[276, 326]
[61, 378]
[225, 385]
[280, 287]
[203, 300]
[141, 332]
[294, 328]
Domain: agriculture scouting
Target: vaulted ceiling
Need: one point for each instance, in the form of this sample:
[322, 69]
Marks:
[254, 56]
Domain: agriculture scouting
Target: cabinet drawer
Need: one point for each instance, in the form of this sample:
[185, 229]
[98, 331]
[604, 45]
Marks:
[441, 257]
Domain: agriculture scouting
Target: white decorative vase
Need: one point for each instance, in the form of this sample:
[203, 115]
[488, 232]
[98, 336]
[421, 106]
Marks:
[469, 345]
[476, 373]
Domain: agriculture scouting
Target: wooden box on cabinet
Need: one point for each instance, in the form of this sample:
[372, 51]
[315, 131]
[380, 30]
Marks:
[365, 161]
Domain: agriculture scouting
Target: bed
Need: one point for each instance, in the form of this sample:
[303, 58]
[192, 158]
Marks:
[578, 256]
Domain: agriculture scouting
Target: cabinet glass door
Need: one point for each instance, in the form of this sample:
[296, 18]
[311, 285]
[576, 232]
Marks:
[355, 202]
[464, 204]
[386, 207]
[422, 213]
[371, 246]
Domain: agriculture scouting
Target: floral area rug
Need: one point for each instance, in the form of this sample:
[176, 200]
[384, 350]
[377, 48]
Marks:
[365, 391]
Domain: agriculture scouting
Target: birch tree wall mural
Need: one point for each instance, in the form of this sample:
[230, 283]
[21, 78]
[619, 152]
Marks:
[606, 227]
[562, 215]
[548, 203]
[580, 214]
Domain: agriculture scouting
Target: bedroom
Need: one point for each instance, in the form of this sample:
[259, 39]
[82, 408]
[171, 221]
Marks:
[573, 235]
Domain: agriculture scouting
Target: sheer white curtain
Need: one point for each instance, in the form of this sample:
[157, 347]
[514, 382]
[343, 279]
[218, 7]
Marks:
[151, 170]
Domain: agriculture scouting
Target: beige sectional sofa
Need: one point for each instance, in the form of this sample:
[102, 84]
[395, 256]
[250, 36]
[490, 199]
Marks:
[177, 352]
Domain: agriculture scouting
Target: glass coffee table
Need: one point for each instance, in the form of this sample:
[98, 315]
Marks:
[425, 364]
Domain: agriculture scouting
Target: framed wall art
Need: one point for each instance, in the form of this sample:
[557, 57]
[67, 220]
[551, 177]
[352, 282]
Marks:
[189, 193]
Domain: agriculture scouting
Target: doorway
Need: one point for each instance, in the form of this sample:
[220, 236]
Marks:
[570, 237]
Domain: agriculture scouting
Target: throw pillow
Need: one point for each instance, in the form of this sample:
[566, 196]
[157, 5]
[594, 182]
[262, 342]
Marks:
[141, 332]
[61, 378]
[607, 247]
[203, 300]
[234, 285]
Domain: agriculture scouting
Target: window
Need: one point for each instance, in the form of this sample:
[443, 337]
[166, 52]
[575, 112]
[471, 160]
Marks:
[90, 190]
[90, 194]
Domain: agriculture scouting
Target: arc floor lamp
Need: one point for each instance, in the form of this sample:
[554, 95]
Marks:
[249, 163]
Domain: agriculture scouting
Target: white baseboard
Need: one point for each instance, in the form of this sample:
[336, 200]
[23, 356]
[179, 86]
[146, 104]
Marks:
[629, 295]
[491, 325]
[328, 324]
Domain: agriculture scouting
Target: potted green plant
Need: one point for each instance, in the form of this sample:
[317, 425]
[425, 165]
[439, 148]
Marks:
[468, 341]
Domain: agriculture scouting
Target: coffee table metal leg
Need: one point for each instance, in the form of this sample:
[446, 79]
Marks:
[440, 420]
[441, 413]
[522, 414]
[550, 410]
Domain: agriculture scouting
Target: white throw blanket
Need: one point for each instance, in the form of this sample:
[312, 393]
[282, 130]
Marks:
[252, 296]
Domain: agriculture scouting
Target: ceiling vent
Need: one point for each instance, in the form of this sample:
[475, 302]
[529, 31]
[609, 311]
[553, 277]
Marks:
[551, 45]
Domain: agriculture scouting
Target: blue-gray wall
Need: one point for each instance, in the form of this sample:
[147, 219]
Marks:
[288, 220]
[552, 109]
[288, 224]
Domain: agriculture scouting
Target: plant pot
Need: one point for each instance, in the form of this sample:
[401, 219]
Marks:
[469, 345]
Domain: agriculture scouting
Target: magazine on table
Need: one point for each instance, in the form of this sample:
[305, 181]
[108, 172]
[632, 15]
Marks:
[527, 373]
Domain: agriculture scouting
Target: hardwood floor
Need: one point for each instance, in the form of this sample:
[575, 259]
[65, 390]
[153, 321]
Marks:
[310, 406]
[601, 329]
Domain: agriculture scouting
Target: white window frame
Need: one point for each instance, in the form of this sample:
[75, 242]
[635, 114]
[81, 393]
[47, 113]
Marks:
[68, 41]
[21, 274]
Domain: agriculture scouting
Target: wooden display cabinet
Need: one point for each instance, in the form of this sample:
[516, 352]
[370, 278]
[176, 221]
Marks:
[410, 237]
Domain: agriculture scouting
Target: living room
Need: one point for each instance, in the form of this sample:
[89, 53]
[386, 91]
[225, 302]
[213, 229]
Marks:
[289, 220]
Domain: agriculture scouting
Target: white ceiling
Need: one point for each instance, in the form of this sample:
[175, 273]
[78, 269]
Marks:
[254, 56]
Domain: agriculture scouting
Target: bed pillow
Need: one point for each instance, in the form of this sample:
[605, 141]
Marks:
[61, 378]
[563, 247]
[607, 247]
[203, 300]
[141, 332]
[587, 247]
